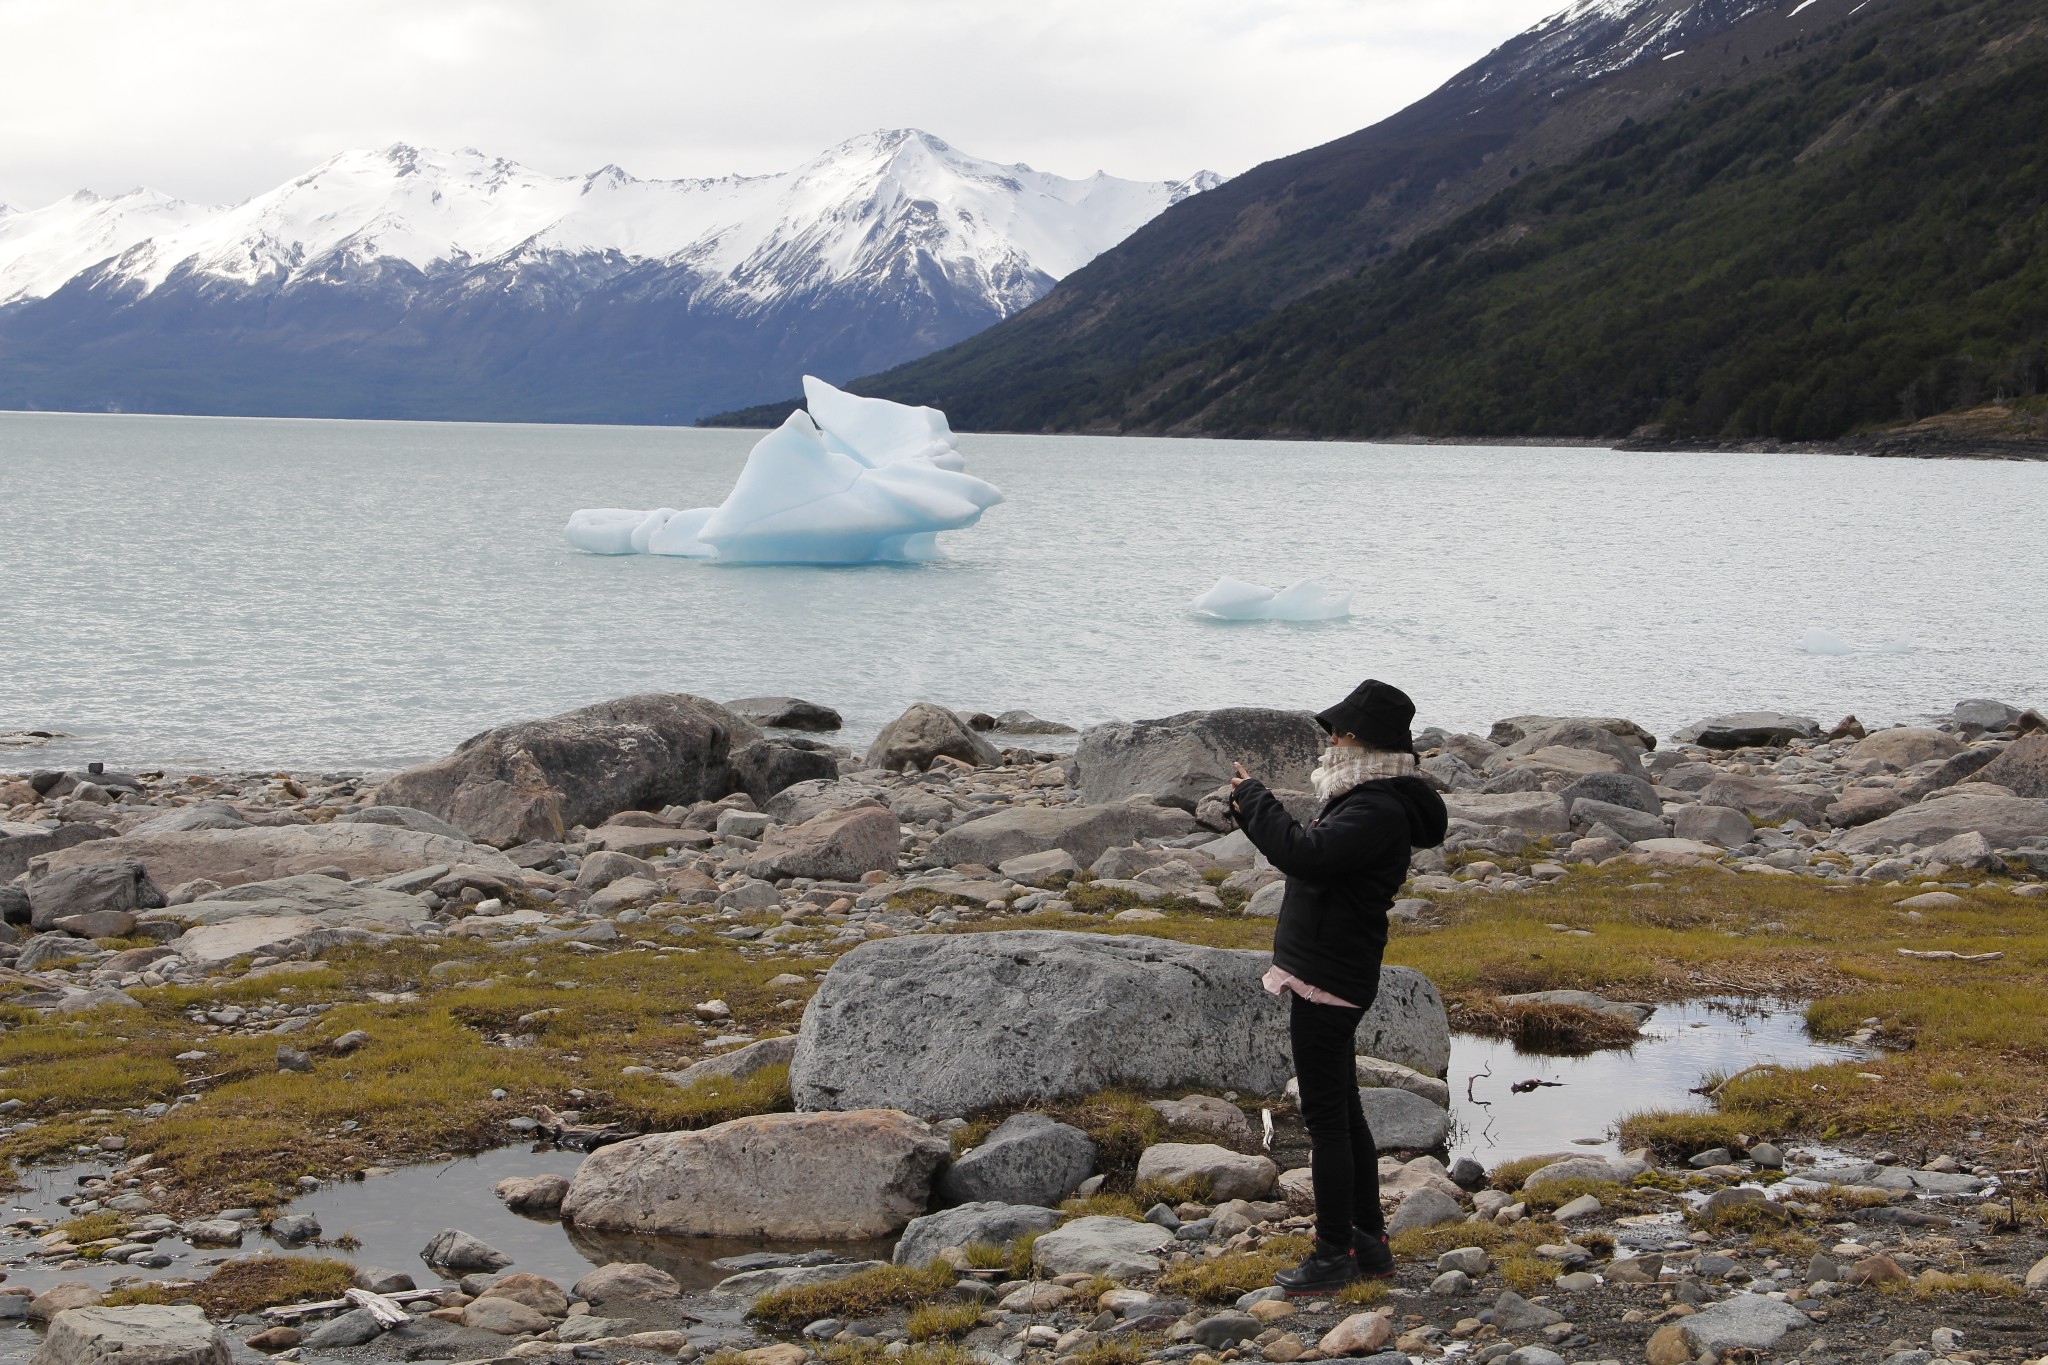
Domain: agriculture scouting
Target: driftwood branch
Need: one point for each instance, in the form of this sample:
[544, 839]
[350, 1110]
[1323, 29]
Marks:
[1726, 1081]
[301, 1310]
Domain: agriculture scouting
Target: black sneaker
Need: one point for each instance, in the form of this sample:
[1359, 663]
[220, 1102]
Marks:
[1325, 1270]
[1374, 1258]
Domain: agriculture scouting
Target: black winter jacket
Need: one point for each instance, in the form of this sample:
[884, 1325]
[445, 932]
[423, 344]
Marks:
[1342, 873]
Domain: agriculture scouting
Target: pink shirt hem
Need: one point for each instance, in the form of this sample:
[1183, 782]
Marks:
[1278, 981]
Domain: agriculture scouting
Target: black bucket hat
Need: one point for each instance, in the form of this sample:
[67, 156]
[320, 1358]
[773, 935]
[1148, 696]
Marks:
[1376, 714]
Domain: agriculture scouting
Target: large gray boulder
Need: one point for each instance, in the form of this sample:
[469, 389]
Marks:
[761, 770]
[21, 844]
[738, 1064]
[949, 1025]
[1530, 812]
[1515, 729]
[233, 857]
[2022, 767]
[398, 817]
[203, 815]
[1748, 729]
[138, 1334]
[808, 800]
[1028, 1159]
[1616, 789]
[1086, 832]
[1402, 1121]
[208, 946]
[925, 732]
[81, 890]
[1745, 1322]
[1630, 823]
[537, 778]
[1762, 798]
[834, 1176]
[1118, 1248]
[839, 846]
[1177, 760]
[986, 1223]
[2004, 821]
[1901, 747]
[1584, 735]
[785, 713]
[321, 898]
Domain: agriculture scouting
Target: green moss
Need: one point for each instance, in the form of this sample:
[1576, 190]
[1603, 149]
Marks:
[250, 1284]
[860, 1295]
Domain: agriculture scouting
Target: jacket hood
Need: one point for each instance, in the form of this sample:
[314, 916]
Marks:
[1427, 818]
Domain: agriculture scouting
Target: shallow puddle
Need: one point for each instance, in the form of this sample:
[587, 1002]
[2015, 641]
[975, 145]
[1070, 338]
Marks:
[391, 1217]
[1586, 1095]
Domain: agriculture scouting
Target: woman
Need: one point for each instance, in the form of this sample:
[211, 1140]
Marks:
[1342, 873]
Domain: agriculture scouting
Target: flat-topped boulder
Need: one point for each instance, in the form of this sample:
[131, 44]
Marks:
[233, 857]
[286, 936]
[537, 778]
[1085, 832]
[1748, 730]
[322, 898]
[949, 1025]
[2004, 821]
[1177, 760]
[837, 1176]
[136, 1334]
[1531, 812]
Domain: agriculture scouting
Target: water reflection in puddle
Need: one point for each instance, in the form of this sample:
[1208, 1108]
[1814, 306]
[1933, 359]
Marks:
[393, 1216]
[1681, 1044]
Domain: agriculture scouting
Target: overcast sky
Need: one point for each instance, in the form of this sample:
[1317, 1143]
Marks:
[216, 100]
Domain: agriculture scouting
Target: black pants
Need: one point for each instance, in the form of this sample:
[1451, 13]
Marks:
[1343, 1159]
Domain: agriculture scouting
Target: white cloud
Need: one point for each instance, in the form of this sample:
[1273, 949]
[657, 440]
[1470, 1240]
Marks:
[218, 99]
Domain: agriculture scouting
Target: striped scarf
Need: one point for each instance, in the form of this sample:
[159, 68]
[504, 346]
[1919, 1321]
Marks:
[1344, 767]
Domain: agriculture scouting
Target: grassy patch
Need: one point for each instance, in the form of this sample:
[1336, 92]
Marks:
[1614, 1198]
[942, 1320]
[1934, 1284]
[91, 1227]
[1509, 1175]
[1120, 1350]
[1550, 1030]
[1225, 1278]
[1678, 1136]
[1104, 1206]
[860, 1295]
[1527, 1273]
[1363, 1294]
[1742, 1220]
[875, 1353]
[249, 1284]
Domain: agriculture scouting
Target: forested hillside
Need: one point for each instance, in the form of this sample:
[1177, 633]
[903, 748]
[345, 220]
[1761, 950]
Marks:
[1852, 239]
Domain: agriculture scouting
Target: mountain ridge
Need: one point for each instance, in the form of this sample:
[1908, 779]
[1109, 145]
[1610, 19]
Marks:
[377, 282]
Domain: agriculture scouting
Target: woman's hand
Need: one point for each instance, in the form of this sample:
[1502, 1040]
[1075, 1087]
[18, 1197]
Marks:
[1242, 776]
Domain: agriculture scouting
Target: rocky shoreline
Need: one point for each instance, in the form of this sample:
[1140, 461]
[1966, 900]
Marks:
[894, 901]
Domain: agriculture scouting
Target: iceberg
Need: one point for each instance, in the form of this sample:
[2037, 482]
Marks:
[1233, 599]
[852, 481]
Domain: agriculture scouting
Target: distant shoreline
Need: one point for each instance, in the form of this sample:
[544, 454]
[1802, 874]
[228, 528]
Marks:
[1909, 444]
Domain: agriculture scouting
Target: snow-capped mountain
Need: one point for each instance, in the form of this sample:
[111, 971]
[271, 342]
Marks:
[421, 283]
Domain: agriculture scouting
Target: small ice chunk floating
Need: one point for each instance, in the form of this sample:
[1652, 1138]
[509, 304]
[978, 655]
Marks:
[1233, 599]
[853, 481]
